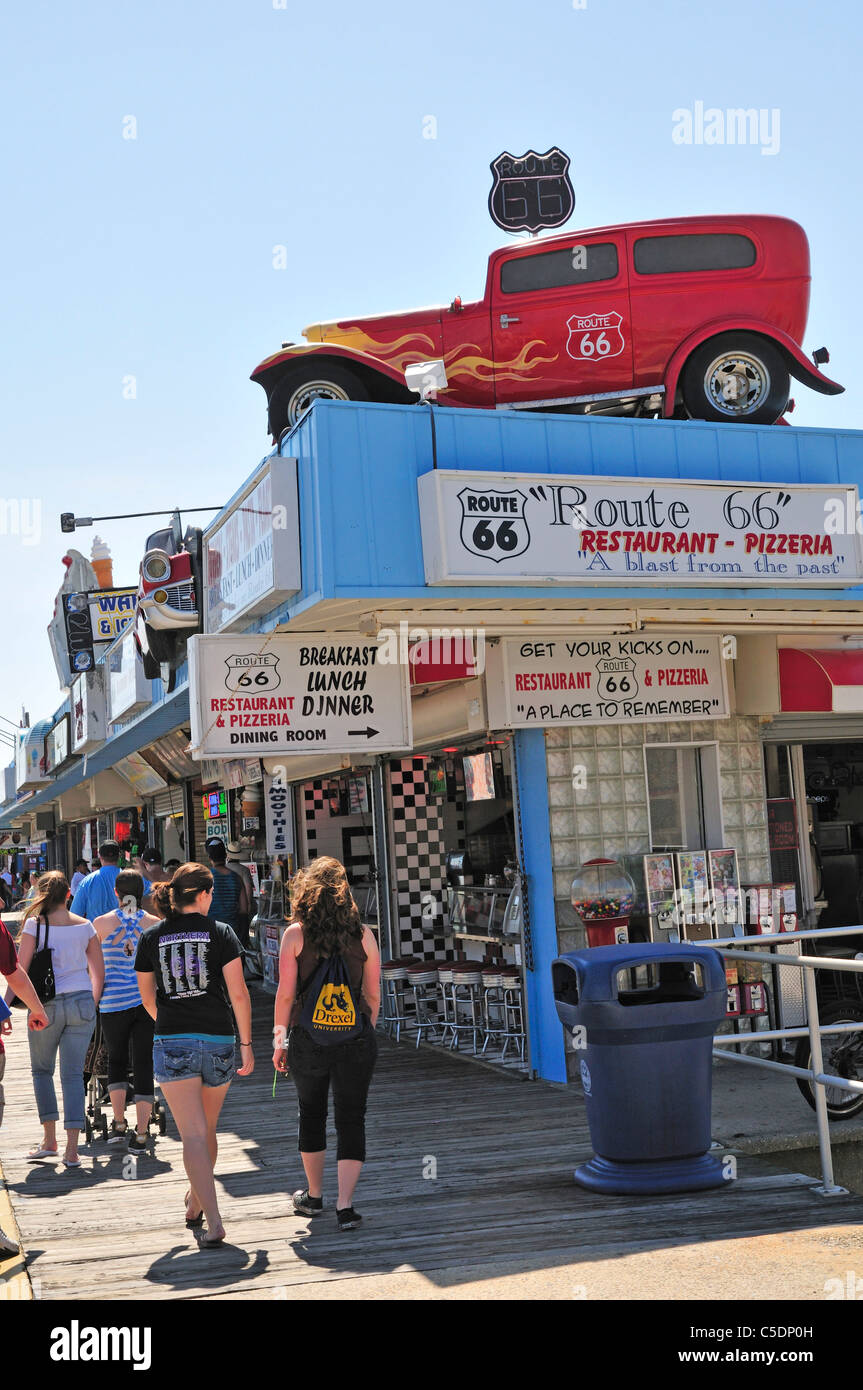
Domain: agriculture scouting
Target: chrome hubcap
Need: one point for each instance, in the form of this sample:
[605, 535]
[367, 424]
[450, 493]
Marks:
[313, 391]
[737, 383]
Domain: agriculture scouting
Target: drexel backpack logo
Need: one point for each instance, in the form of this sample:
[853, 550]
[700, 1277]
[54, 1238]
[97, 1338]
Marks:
[335, 1007]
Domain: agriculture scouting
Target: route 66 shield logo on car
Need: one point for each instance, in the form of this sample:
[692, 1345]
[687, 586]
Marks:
[493, 523]
[594, 336]
[255, 672]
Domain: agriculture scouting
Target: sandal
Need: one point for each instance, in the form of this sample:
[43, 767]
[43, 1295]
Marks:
[193, 1222]
[210, 1242]
[41, 1152]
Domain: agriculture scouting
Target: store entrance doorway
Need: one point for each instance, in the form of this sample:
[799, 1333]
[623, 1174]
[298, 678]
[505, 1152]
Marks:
[824, 784]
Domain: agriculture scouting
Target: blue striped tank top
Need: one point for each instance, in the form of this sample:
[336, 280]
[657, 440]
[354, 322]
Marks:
[119, 949]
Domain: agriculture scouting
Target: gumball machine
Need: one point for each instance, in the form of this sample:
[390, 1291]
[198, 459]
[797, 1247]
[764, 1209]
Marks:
[603, 896]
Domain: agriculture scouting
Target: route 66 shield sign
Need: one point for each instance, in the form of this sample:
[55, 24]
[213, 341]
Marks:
[594, 336]
[531, 191]
[253, 673]
[493, 523]
[616, 679]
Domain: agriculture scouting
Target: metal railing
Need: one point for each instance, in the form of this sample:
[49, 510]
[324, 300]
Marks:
[730, 948]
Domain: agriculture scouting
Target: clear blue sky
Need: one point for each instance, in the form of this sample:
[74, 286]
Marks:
[260, 126]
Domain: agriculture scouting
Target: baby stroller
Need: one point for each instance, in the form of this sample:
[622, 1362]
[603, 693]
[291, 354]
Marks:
[96, 1121]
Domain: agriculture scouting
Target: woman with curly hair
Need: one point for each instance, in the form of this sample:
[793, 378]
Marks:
[327, 925]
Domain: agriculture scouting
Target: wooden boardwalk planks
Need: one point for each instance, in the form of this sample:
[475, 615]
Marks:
[503, 1151]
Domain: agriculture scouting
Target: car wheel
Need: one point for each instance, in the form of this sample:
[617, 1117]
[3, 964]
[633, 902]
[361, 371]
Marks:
[736, 377]
[300, 388]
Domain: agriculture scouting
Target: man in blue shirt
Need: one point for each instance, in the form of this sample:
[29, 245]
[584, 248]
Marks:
[95, 895]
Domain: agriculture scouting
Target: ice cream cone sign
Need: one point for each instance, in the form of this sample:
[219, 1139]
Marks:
[100, 558]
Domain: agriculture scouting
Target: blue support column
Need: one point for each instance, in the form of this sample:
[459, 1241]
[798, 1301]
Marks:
[546, 1034]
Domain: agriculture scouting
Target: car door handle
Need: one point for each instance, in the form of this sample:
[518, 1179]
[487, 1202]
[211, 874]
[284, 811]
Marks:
[507, 319]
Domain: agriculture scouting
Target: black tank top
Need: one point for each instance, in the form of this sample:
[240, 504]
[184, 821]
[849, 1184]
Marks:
[307, 963]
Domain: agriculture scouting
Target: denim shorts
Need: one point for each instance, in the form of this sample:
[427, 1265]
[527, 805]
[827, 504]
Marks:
[180, 1059]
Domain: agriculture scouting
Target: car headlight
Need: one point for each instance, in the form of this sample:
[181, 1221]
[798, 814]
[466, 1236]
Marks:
[161, 596]
[156, 565]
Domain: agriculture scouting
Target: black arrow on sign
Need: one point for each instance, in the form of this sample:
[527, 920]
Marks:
[368, 732]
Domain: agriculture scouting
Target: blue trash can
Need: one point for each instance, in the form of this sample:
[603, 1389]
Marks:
[641, 1018]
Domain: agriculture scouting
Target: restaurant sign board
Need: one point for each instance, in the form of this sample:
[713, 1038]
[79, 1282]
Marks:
[550, 681]
[252, 550]
[128, 688]
[529, 528]
[89, 710]
[266, 694]
[57, 750]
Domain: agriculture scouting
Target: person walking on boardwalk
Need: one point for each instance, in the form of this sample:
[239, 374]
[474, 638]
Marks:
[82, 868]
[230, 900]
[124, 1019]
[329, 990]
[152, 873]
[189, 968]
[79, 972]
[95, 894]
[19, 984]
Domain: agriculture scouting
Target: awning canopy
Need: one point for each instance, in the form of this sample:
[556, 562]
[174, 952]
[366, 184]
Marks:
[820, 681]
[154, 724]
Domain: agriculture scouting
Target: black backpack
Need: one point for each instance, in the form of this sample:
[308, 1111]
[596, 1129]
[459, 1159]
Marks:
[330, 1013]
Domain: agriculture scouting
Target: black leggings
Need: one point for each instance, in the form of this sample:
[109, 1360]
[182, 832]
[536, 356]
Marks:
[349, 1067]
[119, 1029]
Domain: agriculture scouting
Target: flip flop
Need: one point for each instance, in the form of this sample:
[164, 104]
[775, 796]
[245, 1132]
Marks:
[41, 1153]
[208, 1243]
[72, 1162]
[193, 1222]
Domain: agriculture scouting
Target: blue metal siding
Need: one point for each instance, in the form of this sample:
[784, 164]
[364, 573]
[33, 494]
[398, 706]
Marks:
[546, 1036]
[359, 511]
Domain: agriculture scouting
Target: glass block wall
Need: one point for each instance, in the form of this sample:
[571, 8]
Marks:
[606, 817]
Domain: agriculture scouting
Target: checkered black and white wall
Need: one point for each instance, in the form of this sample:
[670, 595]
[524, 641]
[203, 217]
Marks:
[419, 858]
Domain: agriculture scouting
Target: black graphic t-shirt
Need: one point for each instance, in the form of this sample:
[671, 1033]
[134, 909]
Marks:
[186, 954]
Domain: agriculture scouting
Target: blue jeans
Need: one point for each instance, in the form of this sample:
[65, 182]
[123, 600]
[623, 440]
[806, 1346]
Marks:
[72, 1018]
[185, 1058]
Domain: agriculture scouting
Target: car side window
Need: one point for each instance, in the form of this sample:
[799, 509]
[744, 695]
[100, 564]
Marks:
[551, 270]
[669, 255]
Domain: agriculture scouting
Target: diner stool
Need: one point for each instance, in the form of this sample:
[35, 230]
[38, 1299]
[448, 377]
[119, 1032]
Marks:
[445, 981]
[494, 1025]
[422, 979]
[513, 1010]
[395, 986]
[467, 1002]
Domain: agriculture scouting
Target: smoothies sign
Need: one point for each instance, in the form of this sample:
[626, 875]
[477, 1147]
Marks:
[275, 695]
[605, 680]
[546, 529]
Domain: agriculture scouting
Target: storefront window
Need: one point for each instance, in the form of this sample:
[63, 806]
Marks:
[683, 796]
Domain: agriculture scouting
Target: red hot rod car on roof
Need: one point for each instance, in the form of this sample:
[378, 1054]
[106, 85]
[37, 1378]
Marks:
[695, 316]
